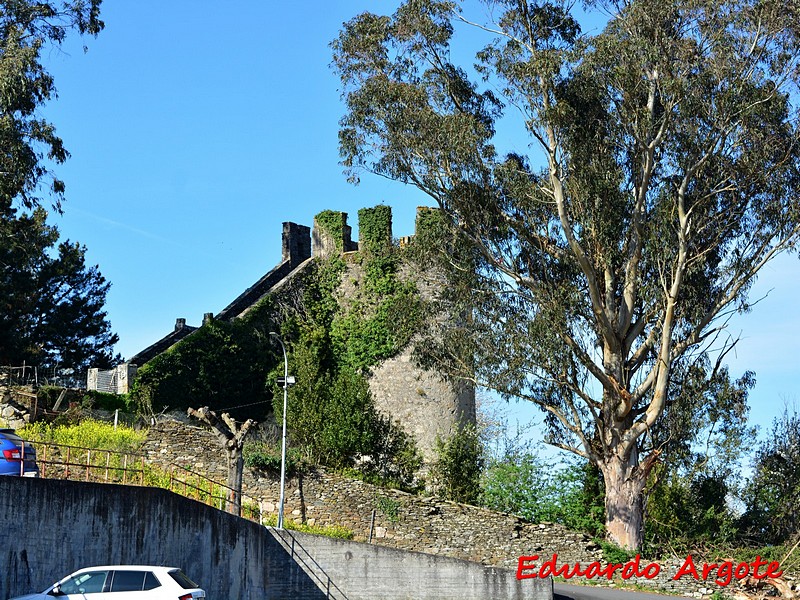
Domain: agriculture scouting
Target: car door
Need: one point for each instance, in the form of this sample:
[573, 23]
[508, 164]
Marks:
[131, 585]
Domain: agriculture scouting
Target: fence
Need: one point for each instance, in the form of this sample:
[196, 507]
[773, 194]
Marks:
[32, 375]
[59, 461]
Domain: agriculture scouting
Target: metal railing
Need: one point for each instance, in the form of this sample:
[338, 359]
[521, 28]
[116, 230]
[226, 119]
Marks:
[60, 461]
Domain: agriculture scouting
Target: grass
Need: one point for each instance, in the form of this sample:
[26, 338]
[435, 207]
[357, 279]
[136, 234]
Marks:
[333, 531]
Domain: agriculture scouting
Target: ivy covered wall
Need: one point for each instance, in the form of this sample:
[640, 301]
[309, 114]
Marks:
[348, 320]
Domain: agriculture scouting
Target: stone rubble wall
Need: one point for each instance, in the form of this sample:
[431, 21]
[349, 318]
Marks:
[14, 414]
[401, 520]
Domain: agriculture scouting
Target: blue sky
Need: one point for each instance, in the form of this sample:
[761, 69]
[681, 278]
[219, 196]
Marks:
[196, 128]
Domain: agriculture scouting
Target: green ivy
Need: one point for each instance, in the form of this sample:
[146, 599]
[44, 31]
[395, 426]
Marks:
[222, 365]
[266, 457]
[332, 223]
[456, 474]
[386, 312]
[389, 507]
[375, 229]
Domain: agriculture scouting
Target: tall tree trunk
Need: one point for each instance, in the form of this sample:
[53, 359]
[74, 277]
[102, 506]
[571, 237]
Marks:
[624, 505]
[231, 437]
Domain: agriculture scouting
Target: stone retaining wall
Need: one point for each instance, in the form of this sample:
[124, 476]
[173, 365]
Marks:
[400, 520]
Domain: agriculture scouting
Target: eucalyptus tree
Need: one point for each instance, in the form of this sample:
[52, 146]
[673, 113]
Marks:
[659, 174]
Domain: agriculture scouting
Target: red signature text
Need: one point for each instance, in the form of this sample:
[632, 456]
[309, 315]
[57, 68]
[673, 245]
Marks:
[528, 569]
[727, 570]
[722, 573]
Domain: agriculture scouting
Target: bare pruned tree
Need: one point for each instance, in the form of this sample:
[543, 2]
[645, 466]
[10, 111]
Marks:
[231, 437]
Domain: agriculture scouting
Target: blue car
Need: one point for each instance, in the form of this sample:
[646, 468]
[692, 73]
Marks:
[11, 460]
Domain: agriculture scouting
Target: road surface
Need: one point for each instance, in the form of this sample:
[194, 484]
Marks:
[562, 591]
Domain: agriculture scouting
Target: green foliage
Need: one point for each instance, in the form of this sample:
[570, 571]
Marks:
[86, 434]
[456, 473]
[188, 485]
[614, 554]
[375, 229]
[332, 419]
[385, 312]
[30, 145]
[568, 493]
[332, 223]
[52, 300]
[332, 531]
[371, 332]
[518, 480]
[389, 507]
[705, 429]
[105, 401]
[221, 365]
[688, 512]
[772, 496]
[267, 457]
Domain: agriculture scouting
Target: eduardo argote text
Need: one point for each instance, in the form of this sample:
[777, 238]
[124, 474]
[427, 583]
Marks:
[720, 573]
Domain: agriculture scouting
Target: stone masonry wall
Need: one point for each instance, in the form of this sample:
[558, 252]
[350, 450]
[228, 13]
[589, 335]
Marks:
[404, 521]
[424, 404]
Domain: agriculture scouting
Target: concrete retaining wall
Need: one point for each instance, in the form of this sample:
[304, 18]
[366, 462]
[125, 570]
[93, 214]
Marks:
[49, 528]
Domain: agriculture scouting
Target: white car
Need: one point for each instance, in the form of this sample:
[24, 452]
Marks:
[122, 582]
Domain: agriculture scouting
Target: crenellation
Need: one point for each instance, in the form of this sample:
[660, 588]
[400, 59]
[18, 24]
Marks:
[296, 245]
[331, 234]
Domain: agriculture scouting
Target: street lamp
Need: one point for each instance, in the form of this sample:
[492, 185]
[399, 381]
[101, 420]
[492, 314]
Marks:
[283, 442]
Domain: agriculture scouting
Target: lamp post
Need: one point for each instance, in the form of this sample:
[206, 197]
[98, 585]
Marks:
[283, 442]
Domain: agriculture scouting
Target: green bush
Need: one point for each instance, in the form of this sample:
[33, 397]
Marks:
[389, 507]
[569, 493]
[614, 554]
[105, 401]
[456, 474]
[267, 457]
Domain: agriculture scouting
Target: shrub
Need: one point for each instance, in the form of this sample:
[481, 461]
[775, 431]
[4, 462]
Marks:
[105, 401]
[456, 474]
[267, 457]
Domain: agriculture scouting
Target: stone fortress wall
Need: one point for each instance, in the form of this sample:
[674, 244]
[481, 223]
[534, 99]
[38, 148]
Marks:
[426, 406]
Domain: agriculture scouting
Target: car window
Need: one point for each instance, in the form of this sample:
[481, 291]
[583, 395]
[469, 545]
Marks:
[85, 583]
[128, 581]
[182, 580]
[150, 582]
